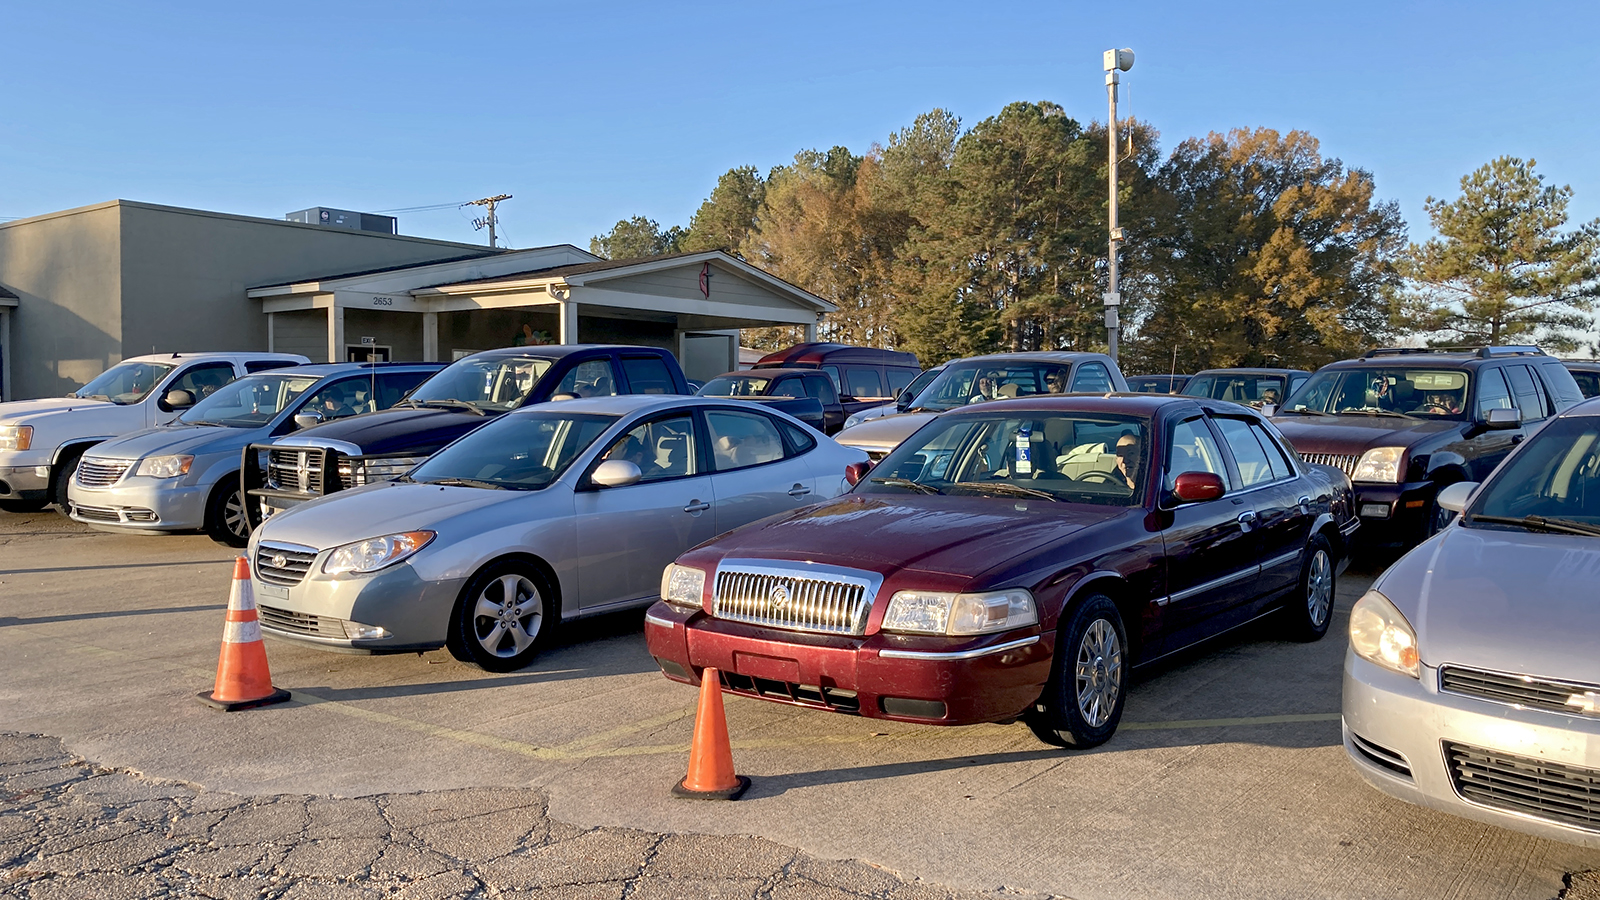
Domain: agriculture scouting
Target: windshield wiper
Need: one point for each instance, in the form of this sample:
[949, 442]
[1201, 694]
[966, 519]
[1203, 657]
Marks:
[1373, 412]
[467, 482]
[908, 483]
[1540, 523]
[1302, 411]
[1005, 486]
[452, 404]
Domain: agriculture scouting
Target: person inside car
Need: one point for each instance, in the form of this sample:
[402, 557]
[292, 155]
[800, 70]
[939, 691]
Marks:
[1127, 465]
[987, 387]
[1056, 381]
[1269, 397]
[1443, 403]
[1379, 396]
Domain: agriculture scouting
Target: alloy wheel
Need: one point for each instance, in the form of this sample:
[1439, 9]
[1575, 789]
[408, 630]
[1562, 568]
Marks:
[233, 517]
[507, 616]
[1319, 588]
[1098, 673]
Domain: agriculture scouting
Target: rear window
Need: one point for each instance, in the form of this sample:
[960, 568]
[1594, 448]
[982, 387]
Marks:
[648, 375]
[863, 383]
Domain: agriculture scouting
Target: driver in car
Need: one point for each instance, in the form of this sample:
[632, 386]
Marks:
[1127, 465]
[1442, 403]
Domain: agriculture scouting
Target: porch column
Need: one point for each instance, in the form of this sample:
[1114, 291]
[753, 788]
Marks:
[5, 353]
[569, 323]
[811, 332]
[335, 333]
[430, 337]
[272, 338]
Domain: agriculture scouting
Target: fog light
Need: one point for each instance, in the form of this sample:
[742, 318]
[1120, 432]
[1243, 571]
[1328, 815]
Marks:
[41, 471]
[356, 631]
[673, 669]
[1375, 510]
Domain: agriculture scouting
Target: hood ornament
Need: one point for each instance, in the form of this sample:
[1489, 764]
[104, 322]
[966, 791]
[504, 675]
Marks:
[779, 596]
[1587, 702]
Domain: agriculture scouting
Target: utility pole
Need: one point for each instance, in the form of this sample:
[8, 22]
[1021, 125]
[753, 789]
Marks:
[488, 220]
[1116, 62]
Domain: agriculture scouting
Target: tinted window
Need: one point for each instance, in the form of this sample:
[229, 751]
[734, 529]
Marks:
[863, 383]
[1254, 466]
[900, 379]
[1526, 391]
[740, 439]
[591, 378]
[788, 387]
[338, 399]
[648, 375]
[833, 376]
[203, 381]
[821, 389]
[1588, 383]
[1193, 449]
[261, 365]
[799, 440]
[393, 386]
[1492, 392]
[661, 449]
[1092, 377]
[1560, 384]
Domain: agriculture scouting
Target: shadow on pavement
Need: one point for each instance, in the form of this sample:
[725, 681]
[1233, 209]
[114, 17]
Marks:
[118, 566]
[111, 614]
[773, 785]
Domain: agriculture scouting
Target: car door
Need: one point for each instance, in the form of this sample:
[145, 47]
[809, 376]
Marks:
[754, 476]
[1211, 555]
[200, 380]
[626, 535]
[819, 388]
[1282, 514]
[1484, 450]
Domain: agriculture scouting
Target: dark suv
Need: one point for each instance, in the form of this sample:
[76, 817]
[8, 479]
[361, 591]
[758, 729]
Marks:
[1403, 423]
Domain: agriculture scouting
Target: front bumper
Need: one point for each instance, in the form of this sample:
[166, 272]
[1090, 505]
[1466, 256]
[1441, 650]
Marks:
[414, 612]
[1396, 731]
[25, 482]
[926, 679]
[138, 503]
[1393, 513]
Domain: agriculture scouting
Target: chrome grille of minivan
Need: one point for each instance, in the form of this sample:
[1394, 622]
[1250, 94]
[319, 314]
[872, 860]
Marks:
[1344, 462]
[285, 565]
[94, 472]
[825, 601]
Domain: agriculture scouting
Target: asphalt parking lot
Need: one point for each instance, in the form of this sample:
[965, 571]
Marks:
[1227, 778]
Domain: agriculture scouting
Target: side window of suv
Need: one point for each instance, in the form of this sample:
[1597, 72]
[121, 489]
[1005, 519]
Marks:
[203, 380]
[821, 389]
[1492, 392]
[1254, 465]
[1563, 388]
[1529, 398]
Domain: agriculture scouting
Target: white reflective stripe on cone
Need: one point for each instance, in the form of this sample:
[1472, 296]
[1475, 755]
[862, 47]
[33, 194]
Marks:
[244, 597]
[242, 632]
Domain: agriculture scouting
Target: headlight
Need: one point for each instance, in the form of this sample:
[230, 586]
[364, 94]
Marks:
[1379, 464]
[16, 437]
[854, 420]
[376, 469]
[928, 612]
[1378, 633]
[683, 587]
[373, 554]
[164, 466]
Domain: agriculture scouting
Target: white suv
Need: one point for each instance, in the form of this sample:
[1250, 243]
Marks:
[42, 440]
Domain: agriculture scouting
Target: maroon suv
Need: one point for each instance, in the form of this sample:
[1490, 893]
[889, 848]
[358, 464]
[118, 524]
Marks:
[1012, 560]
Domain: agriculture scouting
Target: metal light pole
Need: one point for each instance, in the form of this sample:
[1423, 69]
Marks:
[1116, 62]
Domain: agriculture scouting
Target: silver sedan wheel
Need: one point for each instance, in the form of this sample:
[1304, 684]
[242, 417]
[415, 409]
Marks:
[507, 616]
[1098, 673]
[1319, 588]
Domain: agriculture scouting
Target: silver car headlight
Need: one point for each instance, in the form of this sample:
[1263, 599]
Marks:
[373, 554]
[1381, 464]
[853, 420]
[1380, 634]
[683, 586]
[16, 437]
[936, 612]
[164, 466]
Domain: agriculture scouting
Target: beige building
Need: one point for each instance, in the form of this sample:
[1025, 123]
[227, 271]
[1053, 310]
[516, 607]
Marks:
[83, 288]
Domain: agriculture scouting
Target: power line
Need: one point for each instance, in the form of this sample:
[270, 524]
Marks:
[488, 220]
[407, 209]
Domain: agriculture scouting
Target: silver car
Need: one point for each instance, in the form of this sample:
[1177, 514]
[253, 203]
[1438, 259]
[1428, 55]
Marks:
[1472, 683]
[557, 511]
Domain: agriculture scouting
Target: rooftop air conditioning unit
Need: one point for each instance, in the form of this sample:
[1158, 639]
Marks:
[344, 218]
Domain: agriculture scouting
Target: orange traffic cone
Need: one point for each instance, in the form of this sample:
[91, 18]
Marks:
[242, 677]
[711, 774]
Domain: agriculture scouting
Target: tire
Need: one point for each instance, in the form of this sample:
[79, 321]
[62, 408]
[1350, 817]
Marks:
[1437, 518]
[225, 519]
[485, 633]
[61, 479]
[23, 506]
[1310, 607]
[1082, 703]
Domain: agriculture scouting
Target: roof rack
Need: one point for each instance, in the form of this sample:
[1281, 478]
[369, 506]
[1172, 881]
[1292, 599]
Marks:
[1481, 352]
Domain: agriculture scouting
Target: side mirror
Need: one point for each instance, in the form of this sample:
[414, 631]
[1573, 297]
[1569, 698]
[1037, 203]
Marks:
[307, 419]
[178, 398]
[856, 471]
[616, 473]
[1502, 419]
[1455, 497]
[1194, 487]
[1269, 409]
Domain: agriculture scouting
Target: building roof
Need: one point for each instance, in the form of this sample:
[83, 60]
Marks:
[583, 268]
[398, 268]
[7, 295]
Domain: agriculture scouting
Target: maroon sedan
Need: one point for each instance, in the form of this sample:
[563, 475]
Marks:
[1016, 559]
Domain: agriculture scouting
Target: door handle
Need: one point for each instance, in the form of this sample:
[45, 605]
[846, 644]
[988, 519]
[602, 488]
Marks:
[696, 506]
[799, 490]
[1247, 519]
[1305, 505]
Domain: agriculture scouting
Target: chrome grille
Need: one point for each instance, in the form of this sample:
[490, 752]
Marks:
[295, 563]
[1344, 462]
[96, 513]
[295, 469]
[1554, 792]
[373, 469]
[301, 623]
[93, 472]
[825, 600]
[1514, 690]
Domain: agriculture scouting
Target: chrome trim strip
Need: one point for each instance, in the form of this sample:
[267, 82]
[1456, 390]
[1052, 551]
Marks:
[1291, 555]
[1350, 526]
[960, 654]
[1186, 593]
[656, 620]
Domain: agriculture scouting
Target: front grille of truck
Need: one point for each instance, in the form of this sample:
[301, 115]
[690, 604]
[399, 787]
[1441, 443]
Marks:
[94, 472]
[284, 565]
[295, 469]
[1344, 462]
[1515, 690]
[1553, 792]
[779, 597]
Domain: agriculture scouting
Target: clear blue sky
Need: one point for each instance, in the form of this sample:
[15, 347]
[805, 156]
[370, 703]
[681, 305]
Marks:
[588, 113]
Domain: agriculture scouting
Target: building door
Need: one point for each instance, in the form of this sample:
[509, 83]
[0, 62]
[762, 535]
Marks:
[360, 353]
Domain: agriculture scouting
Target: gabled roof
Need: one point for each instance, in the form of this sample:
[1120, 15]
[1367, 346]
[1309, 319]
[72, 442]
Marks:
[414, 265]
[7, 298]
[605, 265]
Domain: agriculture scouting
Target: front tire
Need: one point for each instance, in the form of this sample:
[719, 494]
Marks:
[1310, 607]
[1082, 703]
[503, 618]
[225, 519]
[62, 479]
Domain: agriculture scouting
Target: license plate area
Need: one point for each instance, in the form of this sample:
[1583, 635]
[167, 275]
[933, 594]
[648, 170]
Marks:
[772, 668]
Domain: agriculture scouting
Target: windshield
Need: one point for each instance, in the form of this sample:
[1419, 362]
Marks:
[251, 401]
[524, 452]
[908, 397]
[1249, 390]
[1076, 457]
[961, 384]
[124, 383]
[1156, 384]
[1373, 390]
[1556, 476]
[499, 384]
[735, 386]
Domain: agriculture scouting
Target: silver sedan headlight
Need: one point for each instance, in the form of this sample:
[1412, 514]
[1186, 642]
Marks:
[1380, 464]
[683, 586]
[1380, 634]
[164, 466]
[373, 554]
[935, 612]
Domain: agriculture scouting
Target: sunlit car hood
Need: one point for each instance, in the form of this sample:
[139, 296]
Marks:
[386, 508]
[883, 433]
[1357, 433]
[191, 439]
[962, 536]
[405, 431]
[1509, 601]
[24, 410]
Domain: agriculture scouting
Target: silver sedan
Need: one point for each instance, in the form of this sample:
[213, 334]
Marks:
[1472, 683]
[558, 511]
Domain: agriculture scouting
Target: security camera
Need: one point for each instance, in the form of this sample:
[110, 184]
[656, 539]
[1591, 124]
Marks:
[1119, 59]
